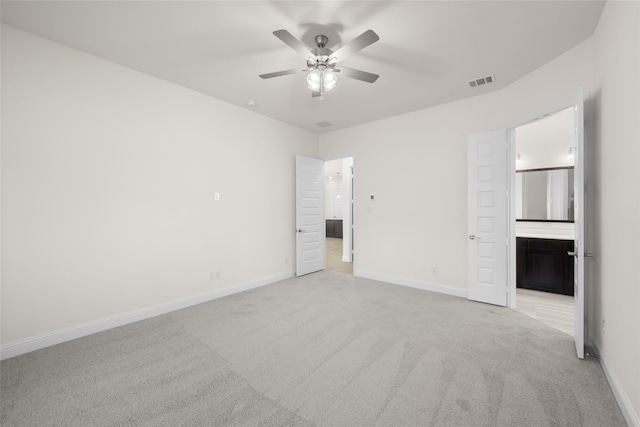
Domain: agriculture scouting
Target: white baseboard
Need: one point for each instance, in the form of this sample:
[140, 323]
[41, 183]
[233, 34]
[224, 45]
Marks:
[31, 344]
[630, 416]
[412, 283]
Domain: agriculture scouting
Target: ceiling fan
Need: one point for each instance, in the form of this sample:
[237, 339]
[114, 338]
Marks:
[322, 62]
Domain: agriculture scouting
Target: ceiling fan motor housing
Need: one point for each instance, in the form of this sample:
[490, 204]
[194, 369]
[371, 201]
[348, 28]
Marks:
[321, 52]
[321, 40]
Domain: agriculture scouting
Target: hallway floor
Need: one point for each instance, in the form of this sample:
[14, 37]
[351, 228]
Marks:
[551, 309]
[334, 257]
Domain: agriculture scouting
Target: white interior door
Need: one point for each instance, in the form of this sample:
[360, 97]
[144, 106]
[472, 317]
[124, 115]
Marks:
[579, 217]
[487, 246]
[310, 223]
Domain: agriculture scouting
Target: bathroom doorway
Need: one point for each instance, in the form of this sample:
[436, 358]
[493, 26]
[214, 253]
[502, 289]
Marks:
[544, 203]
[339, 215]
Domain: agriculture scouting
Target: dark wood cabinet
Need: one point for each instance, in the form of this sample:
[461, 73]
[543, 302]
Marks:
[543, 265]
[334, 228]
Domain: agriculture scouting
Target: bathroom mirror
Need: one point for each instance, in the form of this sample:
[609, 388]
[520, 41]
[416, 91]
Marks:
[545, 194]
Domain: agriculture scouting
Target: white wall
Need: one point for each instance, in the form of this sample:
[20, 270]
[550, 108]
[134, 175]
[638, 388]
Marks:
[418, 217]
[545, 143]
[108, 182]
[415, 230]
[614, 295]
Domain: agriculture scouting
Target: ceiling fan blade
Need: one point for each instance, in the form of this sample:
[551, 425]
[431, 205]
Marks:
[358, 75]
[281, 73]
[359, 43]
[294, 43]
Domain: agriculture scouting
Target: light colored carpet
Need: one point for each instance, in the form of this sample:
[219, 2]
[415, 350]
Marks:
[326, 349]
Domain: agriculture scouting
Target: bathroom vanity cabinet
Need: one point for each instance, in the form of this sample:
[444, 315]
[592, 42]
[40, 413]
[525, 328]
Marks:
[334, 228]
[544, 265]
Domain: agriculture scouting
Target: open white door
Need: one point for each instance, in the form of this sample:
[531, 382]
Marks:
[579, 211]
[487, 217]
[310, 223]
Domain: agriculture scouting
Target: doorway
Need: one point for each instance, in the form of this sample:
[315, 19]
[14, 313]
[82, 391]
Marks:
[544, 219]
[492, 176]
[339, 214]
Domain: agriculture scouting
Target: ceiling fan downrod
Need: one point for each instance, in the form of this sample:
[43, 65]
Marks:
[321, 40]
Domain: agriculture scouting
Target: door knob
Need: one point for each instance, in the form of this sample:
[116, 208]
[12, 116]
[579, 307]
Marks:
[572, 253]
[473, 237]
[299, 230]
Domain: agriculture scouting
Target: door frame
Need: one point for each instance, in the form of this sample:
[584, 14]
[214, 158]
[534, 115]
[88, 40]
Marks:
[352, 205]
[511, 214]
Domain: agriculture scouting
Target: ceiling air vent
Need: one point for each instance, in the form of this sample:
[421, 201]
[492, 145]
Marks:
[481, 81]
[324, 124]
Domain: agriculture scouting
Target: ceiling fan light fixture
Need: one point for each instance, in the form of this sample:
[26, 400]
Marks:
[322, 79]
[329, 79]
[321, 62]
[314, 79]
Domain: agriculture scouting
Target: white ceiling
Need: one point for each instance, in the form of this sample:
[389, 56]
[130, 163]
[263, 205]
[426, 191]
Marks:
[427, 52]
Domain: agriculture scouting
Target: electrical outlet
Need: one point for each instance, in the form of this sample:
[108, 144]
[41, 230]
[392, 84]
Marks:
[603, 326]
[286, 260]
[434, 270]
[214, 275]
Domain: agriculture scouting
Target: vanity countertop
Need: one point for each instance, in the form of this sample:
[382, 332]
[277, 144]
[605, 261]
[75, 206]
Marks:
[545, 230]
[545, 236]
